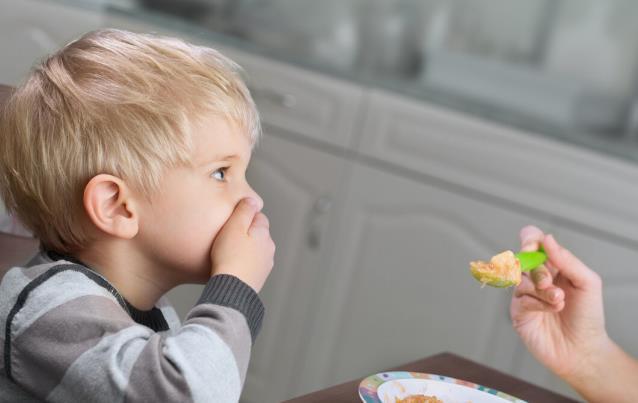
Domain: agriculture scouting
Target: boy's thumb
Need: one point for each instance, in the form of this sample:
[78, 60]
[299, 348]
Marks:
[245, 213]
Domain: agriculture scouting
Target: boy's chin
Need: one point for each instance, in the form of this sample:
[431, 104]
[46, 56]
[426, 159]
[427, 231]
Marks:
[195, 272]
[203, 280]
[193, 276]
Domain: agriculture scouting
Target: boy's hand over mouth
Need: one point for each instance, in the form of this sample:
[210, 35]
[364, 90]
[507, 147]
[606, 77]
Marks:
[243, 247]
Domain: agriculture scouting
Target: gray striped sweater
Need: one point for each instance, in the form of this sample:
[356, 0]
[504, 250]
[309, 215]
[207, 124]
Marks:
[68, 336]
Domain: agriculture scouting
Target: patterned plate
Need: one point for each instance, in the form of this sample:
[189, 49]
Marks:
[386, 387]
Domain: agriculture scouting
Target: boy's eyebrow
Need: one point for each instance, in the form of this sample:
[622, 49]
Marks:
[218, 158]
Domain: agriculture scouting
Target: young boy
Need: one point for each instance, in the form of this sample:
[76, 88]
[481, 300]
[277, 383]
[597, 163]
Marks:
[126, 154]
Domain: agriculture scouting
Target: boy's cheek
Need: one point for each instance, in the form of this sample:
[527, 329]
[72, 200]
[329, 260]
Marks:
[217, 217]
[219, 222]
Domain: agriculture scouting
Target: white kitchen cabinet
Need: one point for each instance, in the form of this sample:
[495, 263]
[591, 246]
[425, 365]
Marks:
[300, 101]
[399, 287]
[295, 100]
[32, 29]
[584, 188]
[300, 187]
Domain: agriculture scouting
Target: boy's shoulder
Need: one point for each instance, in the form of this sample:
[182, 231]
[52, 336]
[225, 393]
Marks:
[61, 276]
[48, 286]
[29, 292]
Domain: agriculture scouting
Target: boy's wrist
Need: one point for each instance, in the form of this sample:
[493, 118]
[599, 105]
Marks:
[230, 291]
[231, 270]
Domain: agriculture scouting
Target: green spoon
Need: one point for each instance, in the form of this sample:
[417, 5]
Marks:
[531, 260]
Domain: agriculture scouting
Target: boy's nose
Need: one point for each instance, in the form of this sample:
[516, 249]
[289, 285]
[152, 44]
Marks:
[253, 195]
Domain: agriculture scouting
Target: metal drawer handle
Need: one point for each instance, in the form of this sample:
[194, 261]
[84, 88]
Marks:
[316, 222]
[280, 99]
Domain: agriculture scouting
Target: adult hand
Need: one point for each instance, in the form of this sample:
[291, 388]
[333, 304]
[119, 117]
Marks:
[558, 309]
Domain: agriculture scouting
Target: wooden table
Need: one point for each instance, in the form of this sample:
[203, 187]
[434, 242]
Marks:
[444, 364]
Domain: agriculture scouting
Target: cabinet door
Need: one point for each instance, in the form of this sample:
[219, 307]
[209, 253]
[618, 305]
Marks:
[298, 185]
[400, 287]
[30, 30]
[616, 264]
[529, 169]
[296, 100]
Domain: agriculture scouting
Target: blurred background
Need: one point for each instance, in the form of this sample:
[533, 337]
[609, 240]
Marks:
[403, 138]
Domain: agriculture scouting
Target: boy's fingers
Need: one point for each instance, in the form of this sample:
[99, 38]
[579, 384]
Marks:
[260, 221]
[531, 237]
[244, 213]
[260, 224]
[568, 265]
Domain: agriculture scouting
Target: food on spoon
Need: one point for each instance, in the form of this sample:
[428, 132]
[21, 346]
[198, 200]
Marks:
[418, 399]
[503, 270]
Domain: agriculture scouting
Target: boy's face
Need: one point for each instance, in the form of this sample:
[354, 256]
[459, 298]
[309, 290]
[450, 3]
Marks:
[178, 228]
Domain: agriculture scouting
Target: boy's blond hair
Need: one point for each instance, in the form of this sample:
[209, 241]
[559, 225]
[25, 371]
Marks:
[111, 102]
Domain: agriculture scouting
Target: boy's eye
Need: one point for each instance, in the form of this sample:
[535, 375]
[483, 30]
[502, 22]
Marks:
[219, 174]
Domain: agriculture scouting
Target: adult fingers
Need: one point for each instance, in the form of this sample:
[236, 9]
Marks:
[531, 238]
[552, 295]
[531, 303]
[542, 277]
[569, 265]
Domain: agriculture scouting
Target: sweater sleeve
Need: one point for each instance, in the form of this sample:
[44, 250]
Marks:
[81, 345]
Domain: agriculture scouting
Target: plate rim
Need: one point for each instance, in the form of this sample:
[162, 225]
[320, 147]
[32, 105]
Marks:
[369, 385]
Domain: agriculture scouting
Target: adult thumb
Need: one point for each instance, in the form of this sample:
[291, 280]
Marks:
[567, 264]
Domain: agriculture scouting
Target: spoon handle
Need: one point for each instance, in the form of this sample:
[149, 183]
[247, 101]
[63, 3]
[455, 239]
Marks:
[531, 260]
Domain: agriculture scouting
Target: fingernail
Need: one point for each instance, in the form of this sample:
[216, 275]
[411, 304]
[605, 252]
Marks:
[553, 295]
[528, 231]
[251, 201]
[539, 276]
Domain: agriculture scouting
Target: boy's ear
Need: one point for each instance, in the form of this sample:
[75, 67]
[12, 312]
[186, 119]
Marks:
[110, 206]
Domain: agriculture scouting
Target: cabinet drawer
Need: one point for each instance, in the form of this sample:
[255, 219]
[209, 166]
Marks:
[290, 98]
[31, 30]
[300, 101]
[581, 188]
